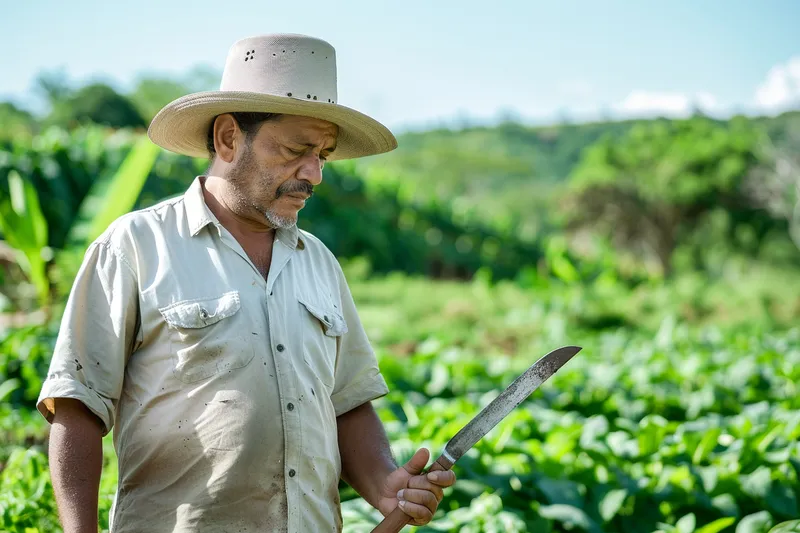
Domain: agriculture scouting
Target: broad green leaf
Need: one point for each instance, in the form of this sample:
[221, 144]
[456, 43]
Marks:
[440, 377]
[596, 426]
[569, 516]
[781, 500]
[717, 525]
[651, 435]
[792, 526]
[7, 387]
[706, 445]
[560, 491]
[757, 484]
[726, 504]
[759, 522]
[25, 229]
[114, 196]
[709, 476]
[686, 523]
[611, 503]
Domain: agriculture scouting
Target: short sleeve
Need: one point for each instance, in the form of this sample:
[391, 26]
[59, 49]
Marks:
[95, 337]
[357, 377]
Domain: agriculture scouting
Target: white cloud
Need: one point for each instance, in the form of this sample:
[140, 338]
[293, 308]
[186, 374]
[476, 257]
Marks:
[648, 103]
[781, 88]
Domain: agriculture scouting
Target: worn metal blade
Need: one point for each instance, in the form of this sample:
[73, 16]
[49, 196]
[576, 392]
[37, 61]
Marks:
[510, 398]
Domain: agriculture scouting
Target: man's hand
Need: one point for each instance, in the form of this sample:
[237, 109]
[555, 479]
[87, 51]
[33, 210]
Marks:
[417, 495]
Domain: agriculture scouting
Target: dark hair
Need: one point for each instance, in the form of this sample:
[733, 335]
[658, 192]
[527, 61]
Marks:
[249, 123]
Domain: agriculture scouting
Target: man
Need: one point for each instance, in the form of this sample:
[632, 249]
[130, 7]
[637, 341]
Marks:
[221, 340]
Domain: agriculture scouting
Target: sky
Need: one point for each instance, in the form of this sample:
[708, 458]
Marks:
[415, 64]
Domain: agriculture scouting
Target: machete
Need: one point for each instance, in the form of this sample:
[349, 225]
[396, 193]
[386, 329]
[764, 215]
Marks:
[487, 419]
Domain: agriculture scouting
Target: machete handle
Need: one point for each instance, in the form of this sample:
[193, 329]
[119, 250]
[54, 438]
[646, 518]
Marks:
[398, 518]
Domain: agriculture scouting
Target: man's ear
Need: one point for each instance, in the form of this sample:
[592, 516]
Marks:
[227, 137]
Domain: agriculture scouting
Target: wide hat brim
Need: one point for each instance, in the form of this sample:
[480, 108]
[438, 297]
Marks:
[182, 125]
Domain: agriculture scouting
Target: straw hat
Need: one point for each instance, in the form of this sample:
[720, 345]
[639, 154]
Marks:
[276, 73]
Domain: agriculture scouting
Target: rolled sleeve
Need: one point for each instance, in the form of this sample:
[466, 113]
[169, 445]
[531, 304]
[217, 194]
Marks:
[358, 376]
[95, 338]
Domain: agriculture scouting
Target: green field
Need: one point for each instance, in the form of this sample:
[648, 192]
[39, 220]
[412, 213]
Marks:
[678, 428]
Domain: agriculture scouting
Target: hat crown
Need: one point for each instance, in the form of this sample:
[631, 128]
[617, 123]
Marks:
[284, 64]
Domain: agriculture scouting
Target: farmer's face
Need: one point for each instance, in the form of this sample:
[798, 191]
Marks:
[276, 170]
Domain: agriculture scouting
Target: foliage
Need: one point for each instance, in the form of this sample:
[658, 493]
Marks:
[775, 181]
[69, 207]
[24, 357]
[651, 189]
[682, 429]
[152, 92]
[77, 175]
[96, 103]
[491, 171]
[630, 436]
[25, 229]
[17, 123]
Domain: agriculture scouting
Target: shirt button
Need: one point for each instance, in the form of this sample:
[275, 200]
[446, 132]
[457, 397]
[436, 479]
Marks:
[292, 472]
[280, 347]
[290, 406]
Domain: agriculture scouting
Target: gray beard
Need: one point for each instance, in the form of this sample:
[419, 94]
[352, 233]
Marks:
[278, 221]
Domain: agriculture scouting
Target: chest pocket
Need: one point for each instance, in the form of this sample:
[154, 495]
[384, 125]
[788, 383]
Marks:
[207, 336]
[323, 327]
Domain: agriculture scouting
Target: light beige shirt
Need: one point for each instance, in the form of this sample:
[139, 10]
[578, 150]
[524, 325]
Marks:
[224, 388]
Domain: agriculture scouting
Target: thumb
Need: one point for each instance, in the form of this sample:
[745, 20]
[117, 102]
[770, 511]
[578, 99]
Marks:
[417, 463]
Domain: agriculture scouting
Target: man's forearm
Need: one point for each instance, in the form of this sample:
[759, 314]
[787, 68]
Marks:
[365, 452]
[76, 461]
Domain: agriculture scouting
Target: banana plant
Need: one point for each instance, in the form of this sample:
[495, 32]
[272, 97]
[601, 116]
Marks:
[111, 198]
[25, 228]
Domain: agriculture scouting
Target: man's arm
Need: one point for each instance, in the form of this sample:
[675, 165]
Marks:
[76, 460]
[366, 456]
[368, 467]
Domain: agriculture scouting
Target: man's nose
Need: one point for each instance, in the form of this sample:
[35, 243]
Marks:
[311, 171]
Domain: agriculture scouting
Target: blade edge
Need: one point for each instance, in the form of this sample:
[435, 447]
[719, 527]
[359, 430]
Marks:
[493, 413]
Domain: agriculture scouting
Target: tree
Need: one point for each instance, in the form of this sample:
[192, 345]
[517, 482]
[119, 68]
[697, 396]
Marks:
[53, 86]
[97, 103]
[17, 123]
[649, 190]
[775, 182]
[151, 94]
[154, 91]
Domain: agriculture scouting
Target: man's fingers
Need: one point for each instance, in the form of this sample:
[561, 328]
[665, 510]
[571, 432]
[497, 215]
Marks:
[417, 463]
[420, 513]
[443, 478]
[420, 497]
[420, 483]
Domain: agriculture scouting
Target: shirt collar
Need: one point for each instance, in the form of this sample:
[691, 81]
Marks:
[198, 215]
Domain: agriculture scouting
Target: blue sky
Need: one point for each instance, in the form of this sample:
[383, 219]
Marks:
[417, 63]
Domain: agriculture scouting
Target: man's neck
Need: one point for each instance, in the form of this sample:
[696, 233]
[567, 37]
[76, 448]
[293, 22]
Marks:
[215, 192]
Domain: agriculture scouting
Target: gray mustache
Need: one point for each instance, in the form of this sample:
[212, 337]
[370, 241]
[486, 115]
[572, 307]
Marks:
[302, 187]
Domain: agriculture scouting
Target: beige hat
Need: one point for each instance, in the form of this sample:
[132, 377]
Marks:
[277, 73]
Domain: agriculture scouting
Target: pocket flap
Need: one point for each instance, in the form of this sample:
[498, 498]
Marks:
[201, 312]
[331, 320]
